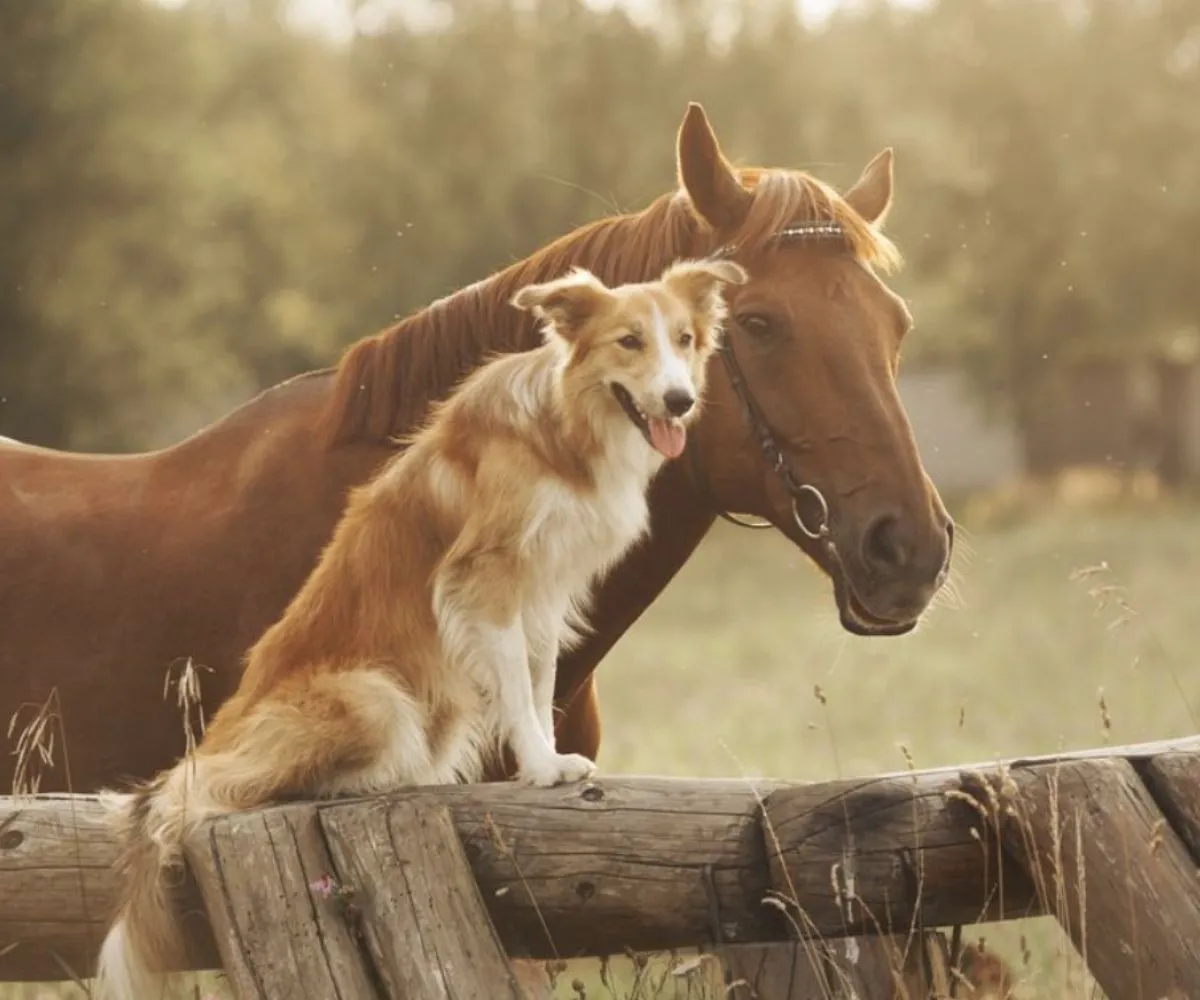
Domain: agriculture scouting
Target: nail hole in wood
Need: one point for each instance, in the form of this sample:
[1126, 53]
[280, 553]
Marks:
[593, 793]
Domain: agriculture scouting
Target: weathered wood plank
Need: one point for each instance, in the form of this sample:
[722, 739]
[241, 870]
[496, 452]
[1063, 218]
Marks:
[598, 868]
[57, 886]
[423, 918]
[586, 855]
[871, 856]
[1174, 781]
[614, 864]
[1107, 864]
[276, 937]
[584, 858]
[845, 968]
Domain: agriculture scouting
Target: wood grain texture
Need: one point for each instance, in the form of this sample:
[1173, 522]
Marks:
[424, 923]
[277, 936]
[646, 863]
[605, 865]
[876, 856]
[1108, 865]
[57, 886]
[1174, 781]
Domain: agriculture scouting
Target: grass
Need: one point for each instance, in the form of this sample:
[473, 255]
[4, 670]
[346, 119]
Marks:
[718, 678]
[1071, 629]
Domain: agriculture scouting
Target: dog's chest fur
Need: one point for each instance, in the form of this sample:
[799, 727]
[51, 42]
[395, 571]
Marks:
[577, 533]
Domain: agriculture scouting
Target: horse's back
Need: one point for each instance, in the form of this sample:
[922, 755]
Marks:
[101, 582]
[43, 488]
[12, 445]
[115, 570]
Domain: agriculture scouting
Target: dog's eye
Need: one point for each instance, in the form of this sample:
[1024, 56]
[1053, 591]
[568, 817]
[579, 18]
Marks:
[685, 340]
[756, 324]
[631, 342]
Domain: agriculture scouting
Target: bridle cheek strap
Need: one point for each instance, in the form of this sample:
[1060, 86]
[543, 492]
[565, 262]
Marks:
[775, 458]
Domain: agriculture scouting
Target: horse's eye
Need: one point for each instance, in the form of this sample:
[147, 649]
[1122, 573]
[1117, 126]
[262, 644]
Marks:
[630, 342]
[755, 323]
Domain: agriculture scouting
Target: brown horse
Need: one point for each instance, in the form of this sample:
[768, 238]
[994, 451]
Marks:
[115, 569]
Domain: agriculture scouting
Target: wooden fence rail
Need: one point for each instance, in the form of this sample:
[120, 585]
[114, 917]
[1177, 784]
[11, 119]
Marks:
[643, 863]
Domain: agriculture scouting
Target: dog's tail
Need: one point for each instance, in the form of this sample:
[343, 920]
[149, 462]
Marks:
[146, 939]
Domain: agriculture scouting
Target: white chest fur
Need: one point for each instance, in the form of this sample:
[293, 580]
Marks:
[576, 534]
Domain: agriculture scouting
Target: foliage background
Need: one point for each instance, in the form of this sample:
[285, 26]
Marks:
[203, 198]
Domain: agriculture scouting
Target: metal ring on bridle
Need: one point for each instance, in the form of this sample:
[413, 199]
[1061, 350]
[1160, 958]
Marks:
[823, 527]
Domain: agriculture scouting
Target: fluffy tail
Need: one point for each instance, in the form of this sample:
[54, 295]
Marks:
[146, 939]
[348, 732]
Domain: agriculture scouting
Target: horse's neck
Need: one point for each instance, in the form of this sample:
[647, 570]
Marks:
[298, 401]
[429, 351]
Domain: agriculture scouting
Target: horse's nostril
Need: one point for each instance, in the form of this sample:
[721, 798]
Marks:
[883, 548]
[678, 401]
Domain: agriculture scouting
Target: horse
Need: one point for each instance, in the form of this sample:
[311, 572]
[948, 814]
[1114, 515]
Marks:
[121, 572]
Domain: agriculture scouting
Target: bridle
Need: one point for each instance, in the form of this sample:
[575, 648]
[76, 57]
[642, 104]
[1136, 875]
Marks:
[796, 488]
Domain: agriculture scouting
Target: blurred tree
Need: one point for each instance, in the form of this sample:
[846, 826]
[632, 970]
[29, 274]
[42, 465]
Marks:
[201, 199]
[1056, 230]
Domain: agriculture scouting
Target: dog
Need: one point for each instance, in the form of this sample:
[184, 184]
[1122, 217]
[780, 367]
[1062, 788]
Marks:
[427, 636]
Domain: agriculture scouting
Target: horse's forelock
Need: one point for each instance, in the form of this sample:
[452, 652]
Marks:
[785, 198]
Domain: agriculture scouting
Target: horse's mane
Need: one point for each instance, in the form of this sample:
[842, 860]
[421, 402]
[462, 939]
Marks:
[385, 383]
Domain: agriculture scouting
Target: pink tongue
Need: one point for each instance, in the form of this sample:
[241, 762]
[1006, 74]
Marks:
[667, 437]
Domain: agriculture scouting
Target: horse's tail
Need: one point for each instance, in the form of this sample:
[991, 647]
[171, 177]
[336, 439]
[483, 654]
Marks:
[146, 939]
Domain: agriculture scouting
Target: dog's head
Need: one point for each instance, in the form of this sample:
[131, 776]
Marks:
[645, 345]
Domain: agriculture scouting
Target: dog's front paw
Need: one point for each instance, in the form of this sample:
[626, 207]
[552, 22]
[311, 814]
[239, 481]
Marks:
[561, 769]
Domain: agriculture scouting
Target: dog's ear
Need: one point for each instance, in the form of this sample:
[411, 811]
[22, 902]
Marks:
[567, 303]
[700, 283]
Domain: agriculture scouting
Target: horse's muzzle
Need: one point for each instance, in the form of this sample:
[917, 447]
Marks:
[890, 571]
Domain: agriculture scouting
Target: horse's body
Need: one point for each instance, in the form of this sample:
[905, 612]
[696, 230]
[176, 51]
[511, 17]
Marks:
[116, 569]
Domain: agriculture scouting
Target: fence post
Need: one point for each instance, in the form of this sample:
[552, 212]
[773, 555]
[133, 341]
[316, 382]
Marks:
[1109, 865]
[356, 900]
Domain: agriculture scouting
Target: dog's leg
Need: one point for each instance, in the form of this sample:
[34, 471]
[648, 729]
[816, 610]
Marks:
[543, 666]
[497, 657]
[537, 760]
[542, 635]
[480, 597]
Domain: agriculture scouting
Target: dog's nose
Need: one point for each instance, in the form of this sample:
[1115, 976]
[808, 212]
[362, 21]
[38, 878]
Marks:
[678, 401]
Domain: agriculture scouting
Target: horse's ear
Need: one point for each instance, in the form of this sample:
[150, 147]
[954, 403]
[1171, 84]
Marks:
[871, 195]
[566, 303]
[704, 173]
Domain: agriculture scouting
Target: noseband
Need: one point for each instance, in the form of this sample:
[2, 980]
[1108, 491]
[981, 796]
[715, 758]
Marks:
[775, 458]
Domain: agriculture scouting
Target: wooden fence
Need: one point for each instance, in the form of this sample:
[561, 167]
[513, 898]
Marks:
[337, 899]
